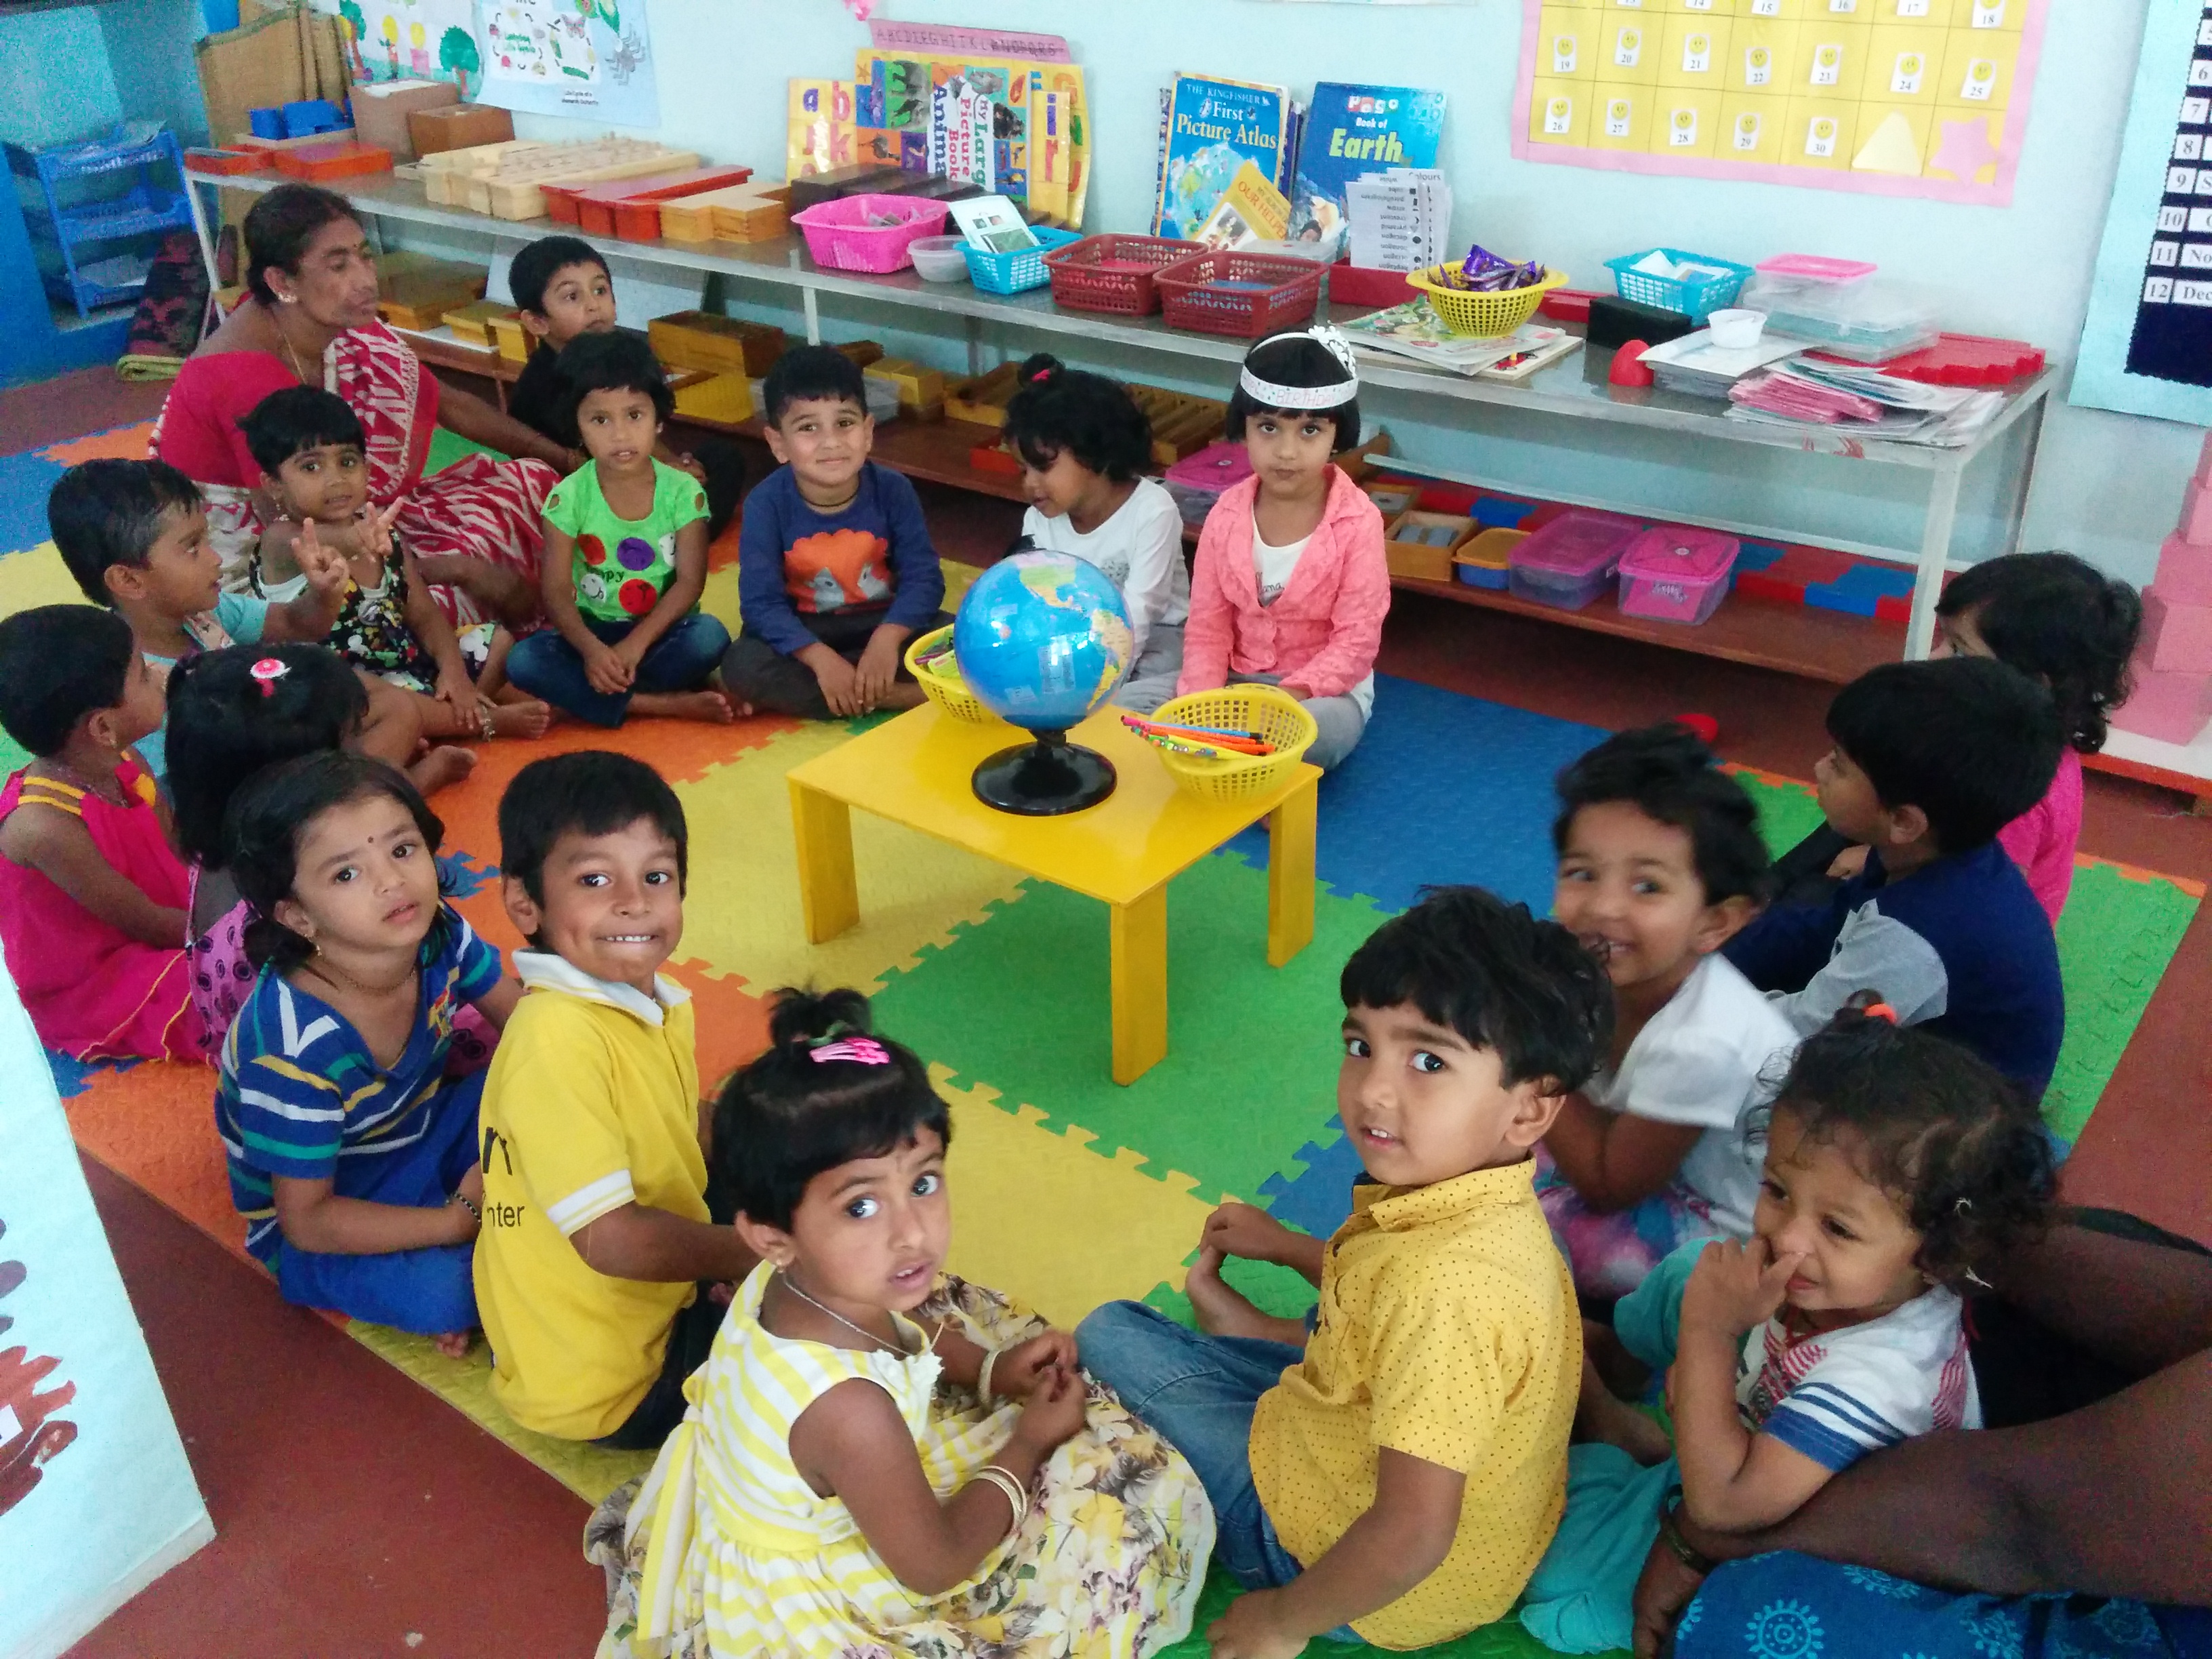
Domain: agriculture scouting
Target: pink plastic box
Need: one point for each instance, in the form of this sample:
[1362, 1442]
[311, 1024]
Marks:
[1676, 575]
[1197, 481]
[1570, 561]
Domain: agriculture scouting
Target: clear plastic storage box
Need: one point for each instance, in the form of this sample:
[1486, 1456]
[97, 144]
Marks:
[1672, 575]
[1570, 561]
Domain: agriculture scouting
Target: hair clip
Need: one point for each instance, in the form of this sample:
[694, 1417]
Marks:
[266, 672]
[1963, 1206]
[862, 1051]
[1880, 1011]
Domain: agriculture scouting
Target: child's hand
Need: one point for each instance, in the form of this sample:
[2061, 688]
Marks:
[373, 531]
[687, 462]
[1250, 1629]
[605, 667]
[839, 684]
[1017, 1372]
[1239, 1230]
[878, 668]
[459, 692]
[1849, 863]
[1736, 1287]
[325, 571]
[1054, 1414]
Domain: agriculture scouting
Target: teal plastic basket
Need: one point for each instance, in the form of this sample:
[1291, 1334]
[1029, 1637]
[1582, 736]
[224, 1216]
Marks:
[1696, 299]
[1022, 269]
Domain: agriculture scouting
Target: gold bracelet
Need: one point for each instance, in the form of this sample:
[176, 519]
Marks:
[983, 1376]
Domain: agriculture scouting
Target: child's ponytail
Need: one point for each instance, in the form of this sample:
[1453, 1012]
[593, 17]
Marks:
[2060, 620]
[1058, 410]
[828, 1090]
[1966, 1158]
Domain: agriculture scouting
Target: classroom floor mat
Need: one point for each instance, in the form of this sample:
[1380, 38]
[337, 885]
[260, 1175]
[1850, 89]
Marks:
[1070, 1190]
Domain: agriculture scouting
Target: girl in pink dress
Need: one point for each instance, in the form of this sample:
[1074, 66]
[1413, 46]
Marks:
[92, 896]
[2065, 623]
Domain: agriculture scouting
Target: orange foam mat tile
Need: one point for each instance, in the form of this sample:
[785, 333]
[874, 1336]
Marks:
[123, 443]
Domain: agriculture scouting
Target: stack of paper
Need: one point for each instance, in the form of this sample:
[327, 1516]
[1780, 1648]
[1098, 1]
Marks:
[1413, 332]
[1695, 366]
[1866, 402]
[1401, 219]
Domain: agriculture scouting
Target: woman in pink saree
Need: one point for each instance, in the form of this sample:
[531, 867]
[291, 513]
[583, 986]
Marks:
[310, 319]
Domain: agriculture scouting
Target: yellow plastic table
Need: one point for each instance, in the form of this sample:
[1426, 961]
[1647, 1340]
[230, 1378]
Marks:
[914, 770]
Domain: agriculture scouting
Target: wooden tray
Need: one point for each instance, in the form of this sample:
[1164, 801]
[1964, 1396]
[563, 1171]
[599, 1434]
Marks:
[983, 399]
[1182, 424]
[719, 345]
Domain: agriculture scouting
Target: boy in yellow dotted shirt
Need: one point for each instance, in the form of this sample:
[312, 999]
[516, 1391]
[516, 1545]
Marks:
[596, 1260]
[1392, 1469]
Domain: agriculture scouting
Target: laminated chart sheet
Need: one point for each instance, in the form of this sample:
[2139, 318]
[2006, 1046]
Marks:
[1893, 97]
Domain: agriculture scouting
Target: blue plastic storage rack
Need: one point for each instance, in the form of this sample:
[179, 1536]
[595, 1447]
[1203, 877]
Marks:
[154, 200]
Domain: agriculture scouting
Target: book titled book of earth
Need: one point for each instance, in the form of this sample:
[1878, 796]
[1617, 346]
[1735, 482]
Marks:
[1350, 131]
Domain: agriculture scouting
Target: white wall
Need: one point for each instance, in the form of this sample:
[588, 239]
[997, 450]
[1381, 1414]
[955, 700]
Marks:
[2107, 486]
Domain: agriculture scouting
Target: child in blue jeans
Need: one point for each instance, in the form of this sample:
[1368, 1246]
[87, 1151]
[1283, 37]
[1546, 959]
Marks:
[625, 558]
[353, 1159]
[1394, 1474]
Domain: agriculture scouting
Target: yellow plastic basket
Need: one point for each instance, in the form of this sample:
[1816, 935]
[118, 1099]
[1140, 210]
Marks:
[940, 682]
[1274, 714]
[1488, 316]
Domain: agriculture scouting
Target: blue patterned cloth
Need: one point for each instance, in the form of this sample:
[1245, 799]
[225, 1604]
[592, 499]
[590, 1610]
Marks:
[1793, 1606]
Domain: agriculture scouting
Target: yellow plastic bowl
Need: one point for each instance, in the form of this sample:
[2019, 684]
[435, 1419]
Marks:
[941, 683]
[1271, 713]
[1487, 316]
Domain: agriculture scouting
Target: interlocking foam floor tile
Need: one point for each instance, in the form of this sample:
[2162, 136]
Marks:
[742, 915]
[122, 443]
[1252, 1051]
[1442, 788]
[1502, 1640]
[153, 1123]
[25, 481]
[1044, 1216]
[2119, 929]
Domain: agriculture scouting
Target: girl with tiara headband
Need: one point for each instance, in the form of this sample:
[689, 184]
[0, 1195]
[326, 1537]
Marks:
[1290, 584]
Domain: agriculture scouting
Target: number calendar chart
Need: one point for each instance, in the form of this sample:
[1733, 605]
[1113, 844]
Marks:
[1893, 97]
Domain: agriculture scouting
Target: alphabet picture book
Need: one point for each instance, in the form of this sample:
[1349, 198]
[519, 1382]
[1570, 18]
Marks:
[1213, 128]
[1351, 130]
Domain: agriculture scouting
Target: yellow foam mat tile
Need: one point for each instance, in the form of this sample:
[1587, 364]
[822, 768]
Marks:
[34, 577]
[719, 597]
[1061, 1227]
[591, 1471]
[741, 913]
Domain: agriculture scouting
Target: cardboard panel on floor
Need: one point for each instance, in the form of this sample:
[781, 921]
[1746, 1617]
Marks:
[96, 1498]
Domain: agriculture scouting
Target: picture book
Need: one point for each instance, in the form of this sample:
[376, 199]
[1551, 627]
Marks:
[1351, 131]
[821, 131]
[979, 118]
[1253, 210]
[1215, 127]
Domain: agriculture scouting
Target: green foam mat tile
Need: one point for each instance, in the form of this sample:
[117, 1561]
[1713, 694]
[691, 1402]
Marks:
[1505, 1639]
[1252, 1051]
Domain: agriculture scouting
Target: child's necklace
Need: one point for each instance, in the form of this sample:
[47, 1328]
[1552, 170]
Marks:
[792, 1285]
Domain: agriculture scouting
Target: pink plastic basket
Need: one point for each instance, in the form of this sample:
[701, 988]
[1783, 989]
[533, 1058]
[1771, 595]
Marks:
[840, 236]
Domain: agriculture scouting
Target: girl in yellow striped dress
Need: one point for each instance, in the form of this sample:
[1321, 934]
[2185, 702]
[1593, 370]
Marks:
[879, 1460]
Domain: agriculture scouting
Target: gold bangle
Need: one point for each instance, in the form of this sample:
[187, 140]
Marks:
[1670, 1534]
[983, 1376]
[1016, 1494]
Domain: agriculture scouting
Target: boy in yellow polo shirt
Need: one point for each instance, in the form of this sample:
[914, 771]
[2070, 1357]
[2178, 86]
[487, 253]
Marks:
[1393, 1473]
[596, 1253]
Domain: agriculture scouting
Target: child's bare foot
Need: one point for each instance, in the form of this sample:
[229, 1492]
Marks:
[1601, 1417]
[1221, 1310]
[443, 765]
[454, 1345]
[711, 706]
[520, 719]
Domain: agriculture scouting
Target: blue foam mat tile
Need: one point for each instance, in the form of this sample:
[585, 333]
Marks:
[460, 874]
[25, 481]
[73, 1077]
[1756, 555]
[1833, 596]
[1876, 579]
[1495, 512]
[1443, 789]
[1320, 1198]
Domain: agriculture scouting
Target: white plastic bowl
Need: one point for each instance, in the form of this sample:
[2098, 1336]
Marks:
[939, 259]
[1733, 331]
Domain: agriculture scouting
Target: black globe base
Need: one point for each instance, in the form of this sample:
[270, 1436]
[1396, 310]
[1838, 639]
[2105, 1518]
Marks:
[1044, 779]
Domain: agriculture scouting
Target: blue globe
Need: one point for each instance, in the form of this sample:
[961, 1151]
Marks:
[1043, 638]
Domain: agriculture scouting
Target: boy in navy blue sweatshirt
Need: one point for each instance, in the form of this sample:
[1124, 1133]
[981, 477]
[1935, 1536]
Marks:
[835, 571]
[1931, 759]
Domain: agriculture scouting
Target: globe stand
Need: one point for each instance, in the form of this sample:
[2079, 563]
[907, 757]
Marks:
[1044, 779]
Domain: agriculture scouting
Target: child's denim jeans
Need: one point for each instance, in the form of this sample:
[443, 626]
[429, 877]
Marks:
[1199, 1392]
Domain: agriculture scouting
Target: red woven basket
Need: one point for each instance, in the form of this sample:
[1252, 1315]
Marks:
[1113, 273]
[1242, 293]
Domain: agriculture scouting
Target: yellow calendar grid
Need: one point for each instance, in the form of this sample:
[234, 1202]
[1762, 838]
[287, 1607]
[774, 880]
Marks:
[1909, 88]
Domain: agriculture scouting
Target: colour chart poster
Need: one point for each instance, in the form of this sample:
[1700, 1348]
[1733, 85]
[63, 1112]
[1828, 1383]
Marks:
[96, 1499]
[2147, 341]
[588, 58]
[1923, 97]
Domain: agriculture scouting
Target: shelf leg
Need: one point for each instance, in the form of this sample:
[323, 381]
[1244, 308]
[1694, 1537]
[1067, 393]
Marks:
[2032, 444]
[200, 229]
[1935, 552]
[813, 316]
[975, 332]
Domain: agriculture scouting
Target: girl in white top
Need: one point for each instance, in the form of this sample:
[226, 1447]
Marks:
[877, 1458]
[1661, 863]
[1084, 445]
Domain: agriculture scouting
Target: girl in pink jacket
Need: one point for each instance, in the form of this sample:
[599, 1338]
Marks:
[1291, 587]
